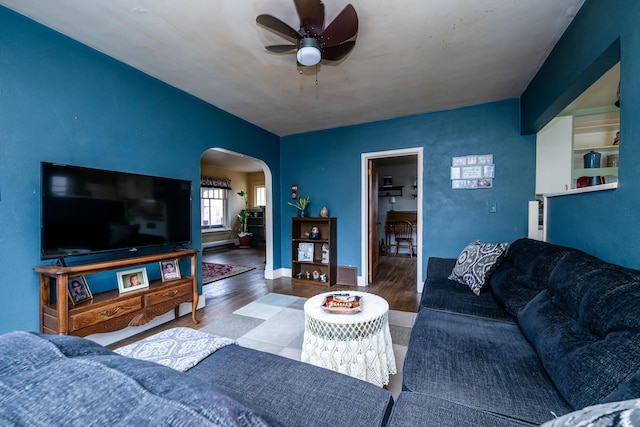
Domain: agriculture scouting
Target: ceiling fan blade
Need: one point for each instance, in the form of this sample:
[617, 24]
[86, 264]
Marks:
[274, 24]
[311, 13]
[335, 53]
[280, 48]
[341, 29]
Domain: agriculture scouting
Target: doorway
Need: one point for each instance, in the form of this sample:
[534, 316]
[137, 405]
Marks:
[220, 158]
[370, 244]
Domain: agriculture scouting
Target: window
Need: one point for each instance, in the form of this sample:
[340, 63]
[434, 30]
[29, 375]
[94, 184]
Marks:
[261, 195]
[213, 202]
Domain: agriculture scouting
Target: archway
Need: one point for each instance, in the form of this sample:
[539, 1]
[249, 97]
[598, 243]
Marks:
[230, 160]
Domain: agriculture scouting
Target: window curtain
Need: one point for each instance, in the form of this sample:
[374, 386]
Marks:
[215, 182]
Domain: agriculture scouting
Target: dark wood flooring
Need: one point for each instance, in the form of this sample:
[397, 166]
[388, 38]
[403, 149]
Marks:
[396, 283]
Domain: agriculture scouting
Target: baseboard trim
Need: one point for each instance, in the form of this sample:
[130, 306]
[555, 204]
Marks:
[217, 243]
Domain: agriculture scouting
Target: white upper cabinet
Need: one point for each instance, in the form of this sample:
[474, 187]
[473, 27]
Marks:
[554, 156]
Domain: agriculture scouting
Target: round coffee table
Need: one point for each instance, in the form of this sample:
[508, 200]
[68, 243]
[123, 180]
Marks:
[358, 344]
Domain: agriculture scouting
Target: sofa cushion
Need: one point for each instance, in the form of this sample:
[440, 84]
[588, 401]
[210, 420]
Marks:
[417, 409]
[43, 383]
[475, 264]
[525, 272]
[440, 268]
[630, 388]
[295, 393]
[586, 329]
[523, 252]
[448, 295]
[481, 363]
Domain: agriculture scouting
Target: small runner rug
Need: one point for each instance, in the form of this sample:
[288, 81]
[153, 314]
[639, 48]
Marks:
[178, 348]
[212, 272]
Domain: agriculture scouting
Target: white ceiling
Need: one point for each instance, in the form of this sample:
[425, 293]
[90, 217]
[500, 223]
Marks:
[411, 56]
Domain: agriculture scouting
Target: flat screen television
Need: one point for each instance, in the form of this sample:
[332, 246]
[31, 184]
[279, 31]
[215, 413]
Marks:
[87, 211]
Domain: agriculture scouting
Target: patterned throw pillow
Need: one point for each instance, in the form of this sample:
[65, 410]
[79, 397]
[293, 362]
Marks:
[625, 413]
[476, 262]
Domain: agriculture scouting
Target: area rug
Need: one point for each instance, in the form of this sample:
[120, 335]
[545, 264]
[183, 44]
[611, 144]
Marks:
[212, 272]
[275, 323]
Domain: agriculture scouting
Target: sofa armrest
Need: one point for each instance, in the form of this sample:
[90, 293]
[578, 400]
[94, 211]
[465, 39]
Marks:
[440, 268]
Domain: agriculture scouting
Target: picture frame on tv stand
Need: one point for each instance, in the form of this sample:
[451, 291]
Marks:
[132, 280]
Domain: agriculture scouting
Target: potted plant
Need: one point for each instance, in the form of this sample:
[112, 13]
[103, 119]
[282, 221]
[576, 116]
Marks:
[302, 205]
[244, 237]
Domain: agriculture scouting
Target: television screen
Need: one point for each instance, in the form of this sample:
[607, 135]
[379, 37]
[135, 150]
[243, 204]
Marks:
[86, 211]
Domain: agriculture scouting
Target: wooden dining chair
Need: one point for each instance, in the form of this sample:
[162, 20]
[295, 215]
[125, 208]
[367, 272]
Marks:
[403, 235]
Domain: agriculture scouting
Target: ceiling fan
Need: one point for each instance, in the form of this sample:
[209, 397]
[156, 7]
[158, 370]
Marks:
[313, 42]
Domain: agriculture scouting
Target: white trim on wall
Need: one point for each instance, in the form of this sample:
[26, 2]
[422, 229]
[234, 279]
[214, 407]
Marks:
[364, 211]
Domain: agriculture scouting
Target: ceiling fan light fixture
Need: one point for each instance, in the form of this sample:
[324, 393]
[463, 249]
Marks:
[308, 51]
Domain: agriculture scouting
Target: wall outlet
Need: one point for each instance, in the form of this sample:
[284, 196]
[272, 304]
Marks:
[493, 207]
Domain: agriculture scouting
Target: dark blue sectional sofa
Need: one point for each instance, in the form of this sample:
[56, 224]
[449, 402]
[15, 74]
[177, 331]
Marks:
[557, 330]
[50, 380]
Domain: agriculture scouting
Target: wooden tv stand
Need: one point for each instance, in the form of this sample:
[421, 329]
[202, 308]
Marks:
[110, 311]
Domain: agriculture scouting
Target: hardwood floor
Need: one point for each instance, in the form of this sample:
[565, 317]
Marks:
[396, 283]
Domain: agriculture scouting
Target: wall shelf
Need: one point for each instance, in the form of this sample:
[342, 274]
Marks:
[595, 131]
[390, 191]
[578, 173]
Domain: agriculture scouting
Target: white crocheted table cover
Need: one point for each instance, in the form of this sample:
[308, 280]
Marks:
[358, 345]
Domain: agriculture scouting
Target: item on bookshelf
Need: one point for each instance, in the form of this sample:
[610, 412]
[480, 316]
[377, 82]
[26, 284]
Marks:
[305, 251]
[170, 270]
[315, 275]
[79, 291]
[324, 212]
[314, 234]
[323, 278]
[582, 182]
[302, 205]
[616, 141]
[343, 303]
[592, 159]
[325, 253]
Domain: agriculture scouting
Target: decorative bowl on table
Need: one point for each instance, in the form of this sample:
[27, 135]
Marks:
[343, 303]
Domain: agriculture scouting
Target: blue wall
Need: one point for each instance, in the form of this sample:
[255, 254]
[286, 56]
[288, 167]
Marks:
[326, 166]
[63, 102]
[604, 224]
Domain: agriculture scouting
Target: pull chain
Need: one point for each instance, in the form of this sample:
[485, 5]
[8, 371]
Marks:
[317, 74]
